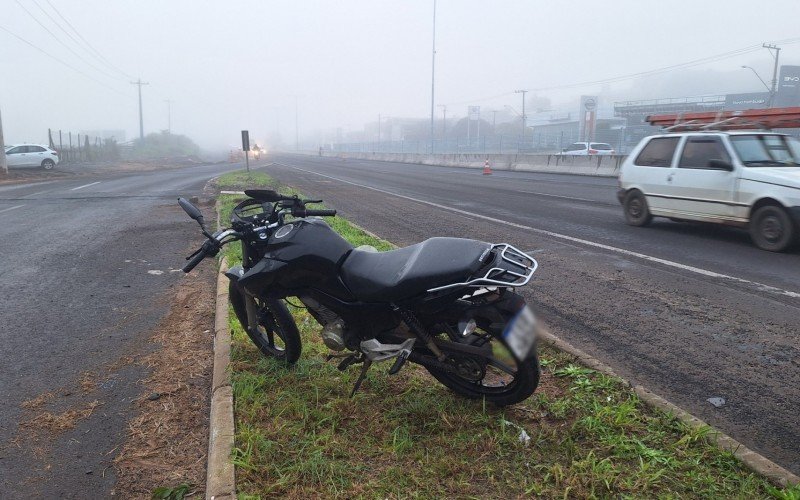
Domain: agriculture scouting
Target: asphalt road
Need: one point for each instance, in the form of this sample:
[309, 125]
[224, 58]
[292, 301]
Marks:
[691, 311]
[88, 262]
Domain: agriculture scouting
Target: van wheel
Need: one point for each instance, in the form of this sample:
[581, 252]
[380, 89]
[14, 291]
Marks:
[771, 228]
[636, 211]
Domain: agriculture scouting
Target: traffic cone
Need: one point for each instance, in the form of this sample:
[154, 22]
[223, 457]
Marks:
[487, 170]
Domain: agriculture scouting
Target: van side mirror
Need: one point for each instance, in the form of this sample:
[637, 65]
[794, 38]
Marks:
[720, 165]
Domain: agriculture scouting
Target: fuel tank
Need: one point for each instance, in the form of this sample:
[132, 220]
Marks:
[303, 254]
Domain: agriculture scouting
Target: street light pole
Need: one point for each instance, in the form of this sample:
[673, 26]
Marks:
[775, 56]
[523, 92]
[169, 115]
[433, 71]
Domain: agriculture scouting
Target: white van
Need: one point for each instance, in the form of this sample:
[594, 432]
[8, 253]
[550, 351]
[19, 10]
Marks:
[742, 178]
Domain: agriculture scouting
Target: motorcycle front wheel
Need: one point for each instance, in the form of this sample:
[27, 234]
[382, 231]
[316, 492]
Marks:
[276, 335]
[498, 377]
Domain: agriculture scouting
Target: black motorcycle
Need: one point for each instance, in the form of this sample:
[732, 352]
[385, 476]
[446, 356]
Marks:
[445, 303]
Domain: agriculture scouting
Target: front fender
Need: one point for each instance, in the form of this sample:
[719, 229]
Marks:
[234, 273]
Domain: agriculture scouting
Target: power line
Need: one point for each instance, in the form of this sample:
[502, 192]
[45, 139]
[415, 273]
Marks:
[62, 42]
[71, 37]
[664, 69]
[51, 56]
[86, 42]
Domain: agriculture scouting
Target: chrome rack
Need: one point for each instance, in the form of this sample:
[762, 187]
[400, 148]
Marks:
[501, 276]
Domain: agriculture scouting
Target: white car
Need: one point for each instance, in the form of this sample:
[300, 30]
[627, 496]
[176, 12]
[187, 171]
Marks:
[588, 148]
[742, 178]
[31, 155]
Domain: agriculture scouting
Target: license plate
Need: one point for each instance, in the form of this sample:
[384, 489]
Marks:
[520, 333]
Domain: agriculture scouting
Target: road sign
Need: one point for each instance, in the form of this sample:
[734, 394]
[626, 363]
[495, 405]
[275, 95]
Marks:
[245, 140]
[474, 113]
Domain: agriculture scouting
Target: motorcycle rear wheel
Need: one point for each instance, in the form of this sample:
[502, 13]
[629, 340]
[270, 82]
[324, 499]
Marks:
[491, 386]
[277, 335]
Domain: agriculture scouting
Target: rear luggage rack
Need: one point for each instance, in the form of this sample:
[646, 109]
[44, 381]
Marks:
[517, 271]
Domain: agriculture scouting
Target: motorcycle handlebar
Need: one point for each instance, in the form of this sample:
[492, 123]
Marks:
[196, 259]
[303, 212]
[209, 248]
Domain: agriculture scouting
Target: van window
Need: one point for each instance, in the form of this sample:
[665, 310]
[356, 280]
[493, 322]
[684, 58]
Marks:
[698, 151]
[658, 152]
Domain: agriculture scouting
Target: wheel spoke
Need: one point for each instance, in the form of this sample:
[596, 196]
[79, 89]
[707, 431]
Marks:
[501, 366]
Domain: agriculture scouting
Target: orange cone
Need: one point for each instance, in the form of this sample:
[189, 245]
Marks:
[487, 170]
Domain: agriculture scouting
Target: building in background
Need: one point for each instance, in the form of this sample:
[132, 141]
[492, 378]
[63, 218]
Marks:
[635, 113]
[552, 131]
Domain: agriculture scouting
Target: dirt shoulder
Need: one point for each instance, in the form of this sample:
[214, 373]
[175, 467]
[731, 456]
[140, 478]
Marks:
[168, 438]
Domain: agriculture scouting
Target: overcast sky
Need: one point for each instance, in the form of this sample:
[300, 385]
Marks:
[240, 63]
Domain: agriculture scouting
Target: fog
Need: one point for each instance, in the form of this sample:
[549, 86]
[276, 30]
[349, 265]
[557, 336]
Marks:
[242, 64]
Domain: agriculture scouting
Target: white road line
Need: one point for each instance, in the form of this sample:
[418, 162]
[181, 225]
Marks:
[11, 208]
[563, 197]
[85, 186]
[704, 272]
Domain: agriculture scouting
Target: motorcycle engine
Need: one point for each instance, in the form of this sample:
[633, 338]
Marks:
[333, 327]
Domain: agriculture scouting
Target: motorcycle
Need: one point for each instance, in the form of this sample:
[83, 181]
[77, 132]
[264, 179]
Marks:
[446, 303]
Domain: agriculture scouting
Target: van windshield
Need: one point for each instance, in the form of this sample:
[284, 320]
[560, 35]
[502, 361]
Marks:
[765, 150]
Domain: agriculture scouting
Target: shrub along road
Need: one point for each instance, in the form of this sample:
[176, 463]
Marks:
[85, 276]
[691, 311]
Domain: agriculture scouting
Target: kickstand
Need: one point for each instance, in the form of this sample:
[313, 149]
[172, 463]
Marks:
[361, 376]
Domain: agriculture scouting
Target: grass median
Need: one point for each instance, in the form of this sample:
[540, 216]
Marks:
[582, 434]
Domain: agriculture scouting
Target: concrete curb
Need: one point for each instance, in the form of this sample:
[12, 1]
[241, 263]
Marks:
[753, 460]
[220, 471]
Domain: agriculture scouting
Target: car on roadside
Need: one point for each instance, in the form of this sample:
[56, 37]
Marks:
[748, 179]
[31, 155]
[588, 149]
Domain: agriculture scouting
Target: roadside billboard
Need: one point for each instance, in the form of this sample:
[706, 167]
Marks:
[588, 117]
[747, 100]
[788, 92]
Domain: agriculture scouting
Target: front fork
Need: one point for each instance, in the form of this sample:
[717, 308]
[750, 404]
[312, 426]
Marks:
[250, 306]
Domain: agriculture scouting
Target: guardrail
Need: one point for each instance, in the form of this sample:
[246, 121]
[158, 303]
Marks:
[599, 165]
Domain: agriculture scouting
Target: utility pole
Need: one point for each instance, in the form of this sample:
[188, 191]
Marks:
[139, 83]
[3, 161]
[523, 92]
[169, 115]
[433, 70]
[494, 119]
[776, 56]
[379, 128]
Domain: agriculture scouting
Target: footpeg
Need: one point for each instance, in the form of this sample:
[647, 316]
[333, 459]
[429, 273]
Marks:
[350, 361]
[377, 351]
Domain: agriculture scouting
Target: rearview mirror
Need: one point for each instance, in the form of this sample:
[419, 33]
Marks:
[190, 209]
[720, 165]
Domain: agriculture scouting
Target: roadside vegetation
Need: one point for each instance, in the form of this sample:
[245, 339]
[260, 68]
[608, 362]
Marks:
[164, 144]
[582, 434]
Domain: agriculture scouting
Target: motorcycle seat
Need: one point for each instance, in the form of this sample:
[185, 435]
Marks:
[403, 273]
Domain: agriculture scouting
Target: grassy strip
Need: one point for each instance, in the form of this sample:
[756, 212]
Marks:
[298, 434]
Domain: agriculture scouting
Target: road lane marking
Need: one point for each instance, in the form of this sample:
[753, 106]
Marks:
[600, 202]
[85, 186]
[11, 208]
[650, 258]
